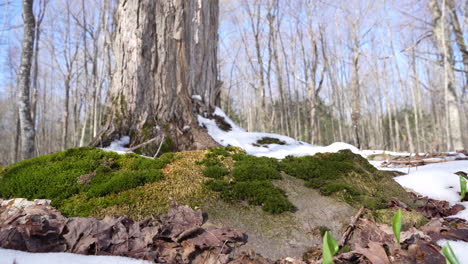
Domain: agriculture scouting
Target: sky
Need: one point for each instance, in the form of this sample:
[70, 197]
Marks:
[10, 14]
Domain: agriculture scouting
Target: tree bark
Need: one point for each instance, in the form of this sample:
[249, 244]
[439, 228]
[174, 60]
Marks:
[453, 123]
[164, 52]
[26, 123]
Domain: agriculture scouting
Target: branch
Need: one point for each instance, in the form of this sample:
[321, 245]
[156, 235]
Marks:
[141, 145]
[349, 230]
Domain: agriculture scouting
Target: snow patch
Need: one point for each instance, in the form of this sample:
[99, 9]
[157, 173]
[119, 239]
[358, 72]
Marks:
[8, 256]
[197, 97]
[238, 137]
[118, 145]
[437, 181]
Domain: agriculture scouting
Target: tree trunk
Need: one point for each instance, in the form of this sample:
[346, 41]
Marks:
[164, 52]
[453, 112]
[26, 123]
[356, 107]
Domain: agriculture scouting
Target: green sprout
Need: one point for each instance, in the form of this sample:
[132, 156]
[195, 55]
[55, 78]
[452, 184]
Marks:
[396, 224]
[329, 248]
[462, 187]
[449, 255]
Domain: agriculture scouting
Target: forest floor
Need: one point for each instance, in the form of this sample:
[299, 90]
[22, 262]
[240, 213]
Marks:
[433, 210]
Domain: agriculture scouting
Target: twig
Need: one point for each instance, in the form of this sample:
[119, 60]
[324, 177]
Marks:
[349, 230]
[159, 148]
[141, 145]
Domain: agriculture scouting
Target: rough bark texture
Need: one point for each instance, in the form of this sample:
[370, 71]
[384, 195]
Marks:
[453, 111]
[165, 52]
[26, 123]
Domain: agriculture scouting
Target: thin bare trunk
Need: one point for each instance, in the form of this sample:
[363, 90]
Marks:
[26, 122]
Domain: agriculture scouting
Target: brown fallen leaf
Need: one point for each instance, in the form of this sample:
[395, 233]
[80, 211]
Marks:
[375, 253]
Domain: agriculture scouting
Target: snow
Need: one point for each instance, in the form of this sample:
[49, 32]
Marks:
[7, 256]
[238, 137]
[437, 181]
[460, 249]
[119, 145]
[197, 97]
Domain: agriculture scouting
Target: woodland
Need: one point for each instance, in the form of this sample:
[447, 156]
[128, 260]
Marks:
[243, 131]
[388, 75]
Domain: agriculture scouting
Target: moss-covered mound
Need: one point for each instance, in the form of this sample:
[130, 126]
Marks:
[183, 181]
[348, 177]
[87, 171]
[343, 175]
[248, 179]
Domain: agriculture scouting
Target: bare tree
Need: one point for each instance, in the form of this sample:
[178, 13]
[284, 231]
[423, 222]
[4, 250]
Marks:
[26, 122]
[165, 52]
[453, 121]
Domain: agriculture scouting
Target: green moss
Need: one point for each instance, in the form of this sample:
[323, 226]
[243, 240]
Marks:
[262, 193]
[182, 181]
[56, 176]
[252, 168]
[333, 187]
[105, 184]
[215, 172]
[249, 181]
[347, 177]
[325, 165]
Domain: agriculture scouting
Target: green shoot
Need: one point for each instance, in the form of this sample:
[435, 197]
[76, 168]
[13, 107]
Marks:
[462, 187]
[396, 224]
[329, 248]
[450, 257]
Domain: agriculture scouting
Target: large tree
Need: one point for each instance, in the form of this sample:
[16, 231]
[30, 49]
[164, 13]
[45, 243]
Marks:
[165, 52]
[453, 116]
[24, 73]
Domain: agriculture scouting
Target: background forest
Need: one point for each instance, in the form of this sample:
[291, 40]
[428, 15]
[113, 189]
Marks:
[376, 74]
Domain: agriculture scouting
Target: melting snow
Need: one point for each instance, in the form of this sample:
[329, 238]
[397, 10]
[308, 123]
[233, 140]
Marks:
[238, 137]
[8, 256]
[118, 145]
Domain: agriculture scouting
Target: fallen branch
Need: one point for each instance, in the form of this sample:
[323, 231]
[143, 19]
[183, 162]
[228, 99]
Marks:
[159, 148]
[142, 144]
[413, 163]
[349, 230]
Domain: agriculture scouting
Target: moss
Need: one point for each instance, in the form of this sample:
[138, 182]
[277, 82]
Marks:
[183, 181]
[249, 181]
[105, 184]
[333, 187]
[409, 219]
[252, 168]
[262, 193]
[215, 172]
[347, 177]
[265, 141]
[56, 176]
